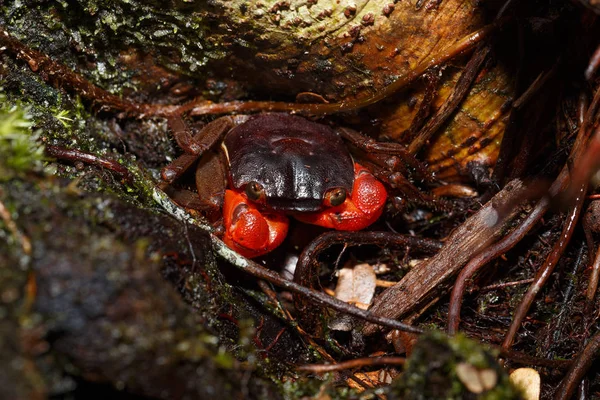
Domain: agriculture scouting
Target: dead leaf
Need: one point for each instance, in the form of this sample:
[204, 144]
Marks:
[371, 379]
[356, 285]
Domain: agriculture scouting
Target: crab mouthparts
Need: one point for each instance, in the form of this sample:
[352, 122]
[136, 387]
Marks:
[295, 205]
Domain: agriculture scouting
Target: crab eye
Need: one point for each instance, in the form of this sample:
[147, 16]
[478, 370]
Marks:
[255, 191]
[335, 197]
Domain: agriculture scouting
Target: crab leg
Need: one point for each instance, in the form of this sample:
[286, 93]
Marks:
[363, 207]
[183, 137]
[210, 167]
[204, 140]
[371, 146]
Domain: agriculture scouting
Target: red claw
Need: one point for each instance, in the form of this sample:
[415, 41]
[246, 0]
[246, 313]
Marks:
[252, 233]
[247, 230]
[363, 207]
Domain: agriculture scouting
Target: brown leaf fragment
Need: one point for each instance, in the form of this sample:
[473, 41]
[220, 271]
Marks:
[356, 285]
[371, 379]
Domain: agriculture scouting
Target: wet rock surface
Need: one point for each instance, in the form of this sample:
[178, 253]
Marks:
[94, 303]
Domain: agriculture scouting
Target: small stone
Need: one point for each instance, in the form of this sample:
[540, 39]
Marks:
[350, 11]
[388, 9]
[347, 47]
[368, 19]
[528, 379]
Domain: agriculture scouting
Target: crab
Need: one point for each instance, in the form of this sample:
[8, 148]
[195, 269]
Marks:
[274, 165]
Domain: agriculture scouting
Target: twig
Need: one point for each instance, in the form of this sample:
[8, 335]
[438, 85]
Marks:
[568, 296]
[592, 285]
[545, 271]
[518, 357]
[593, 65]
[307, 267]
[578, 369]
[260, 272]
[460, 91]
[14, 230]
[505, 285]
[88, 158]
[356, 363]
[481, 259]
[575, 185]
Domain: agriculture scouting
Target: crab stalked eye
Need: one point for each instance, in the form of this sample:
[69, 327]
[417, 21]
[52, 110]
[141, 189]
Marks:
[255, 191]
[335, 197]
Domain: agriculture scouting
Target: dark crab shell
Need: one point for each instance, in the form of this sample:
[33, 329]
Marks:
[295, 160]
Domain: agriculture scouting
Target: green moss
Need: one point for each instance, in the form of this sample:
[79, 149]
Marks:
[315, 389]
[20, 150]
[107, 27]
[431, 370]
